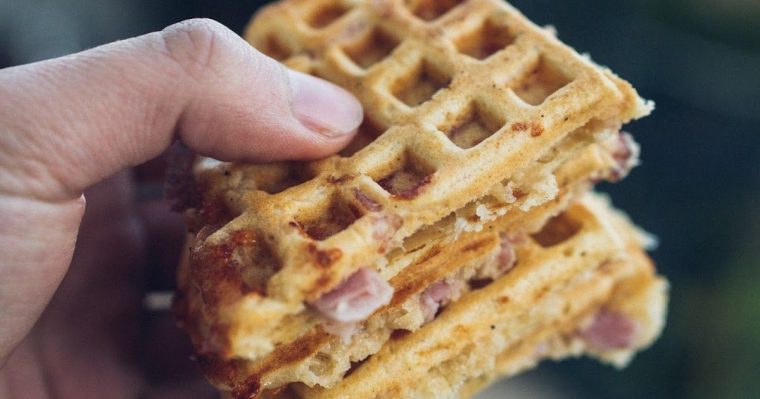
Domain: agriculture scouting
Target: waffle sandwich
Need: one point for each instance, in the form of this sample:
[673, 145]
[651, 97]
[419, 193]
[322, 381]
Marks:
[594, 293]
[482, 133]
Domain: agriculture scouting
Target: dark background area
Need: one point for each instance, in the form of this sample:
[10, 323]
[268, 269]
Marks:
[698, 188]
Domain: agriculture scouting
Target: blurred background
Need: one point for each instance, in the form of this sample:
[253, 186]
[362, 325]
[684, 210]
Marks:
[698, 188]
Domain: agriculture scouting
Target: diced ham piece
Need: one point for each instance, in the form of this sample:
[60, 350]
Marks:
[383, 229]
[385, 226]
[507, 256]
[367, 202]
[610, 330]
[439, 294]
[625, 151]
[356, 298]
[431, 299]
[345, 331]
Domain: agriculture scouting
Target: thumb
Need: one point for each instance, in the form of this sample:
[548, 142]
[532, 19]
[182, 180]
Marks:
[78, 119]
[70, 122]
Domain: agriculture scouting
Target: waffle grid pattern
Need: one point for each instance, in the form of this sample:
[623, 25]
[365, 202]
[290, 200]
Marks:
[459, 115]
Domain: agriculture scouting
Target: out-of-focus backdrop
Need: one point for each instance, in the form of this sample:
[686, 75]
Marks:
[698, 188]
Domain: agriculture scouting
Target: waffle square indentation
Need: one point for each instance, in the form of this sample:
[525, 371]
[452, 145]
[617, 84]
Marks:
[485, 40]
[372, 48]
[420, 83]
[471, 126]
[338, 215]
[274, 48]
[557, 230]
[407, 181]
[430, 10]
[326, 14]
[543, 80]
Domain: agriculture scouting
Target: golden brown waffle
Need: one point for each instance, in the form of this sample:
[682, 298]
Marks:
[426, 175]
[640, 295]
[317, 357]
[306, 345]
[539, 310]
[477, 121]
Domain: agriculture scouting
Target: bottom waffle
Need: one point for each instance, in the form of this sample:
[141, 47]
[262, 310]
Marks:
[268, 349]
[440, 257]
[547, 307]
[628, 288]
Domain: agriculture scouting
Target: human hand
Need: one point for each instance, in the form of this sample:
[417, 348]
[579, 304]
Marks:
[69, 123]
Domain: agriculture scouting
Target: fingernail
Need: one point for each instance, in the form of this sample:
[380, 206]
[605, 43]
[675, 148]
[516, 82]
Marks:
[323, 107]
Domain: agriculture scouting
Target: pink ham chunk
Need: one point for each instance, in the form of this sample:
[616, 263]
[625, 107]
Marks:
[345, 331]
[356, 298]
[507, 256]
[610, 330]
[439, 294]
[625, 151]
[431, 299]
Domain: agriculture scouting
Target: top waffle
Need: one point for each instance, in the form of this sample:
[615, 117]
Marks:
[459, 94]
[460, 97]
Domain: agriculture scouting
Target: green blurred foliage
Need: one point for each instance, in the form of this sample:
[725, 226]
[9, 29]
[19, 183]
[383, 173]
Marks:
[722, 330]
[734, 22]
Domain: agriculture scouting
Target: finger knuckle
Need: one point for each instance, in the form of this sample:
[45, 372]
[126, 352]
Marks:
[195, 45]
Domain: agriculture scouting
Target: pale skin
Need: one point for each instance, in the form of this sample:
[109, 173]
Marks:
[68, 128]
